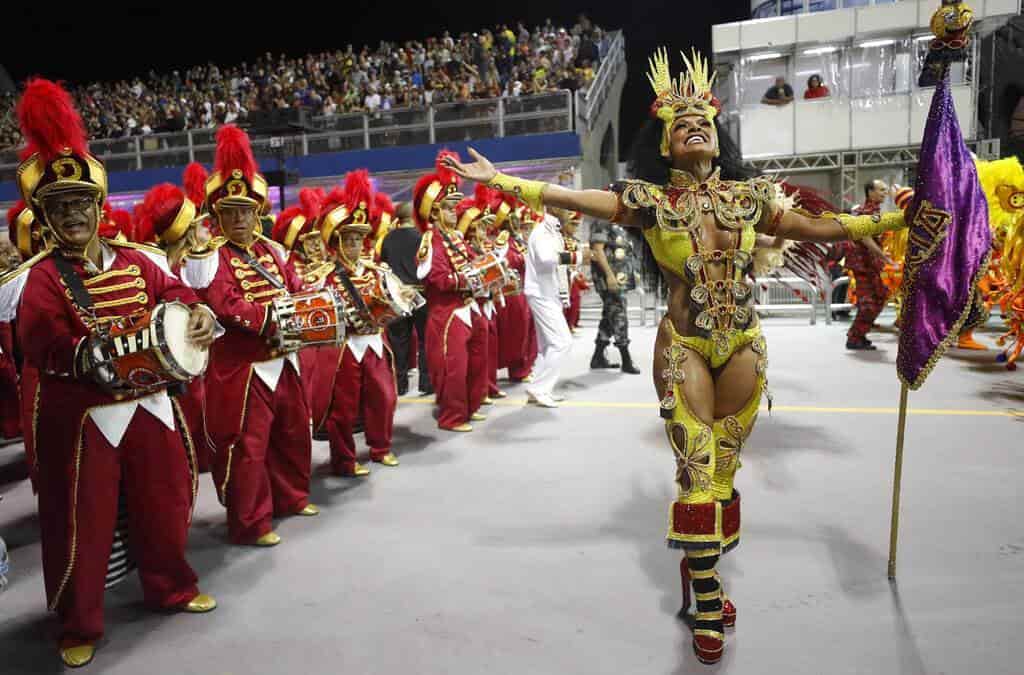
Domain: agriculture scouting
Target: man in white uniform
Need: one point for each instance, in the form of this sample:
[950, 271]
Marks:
[546, 252]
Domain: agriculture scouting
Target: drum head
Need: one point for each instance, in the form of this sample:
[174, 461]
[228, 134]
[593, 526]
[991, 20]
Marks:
[189, 356]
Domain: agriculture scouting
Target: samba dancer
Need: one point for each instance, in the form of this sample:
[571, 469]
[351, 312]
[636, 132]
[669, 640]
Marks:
[700, 214]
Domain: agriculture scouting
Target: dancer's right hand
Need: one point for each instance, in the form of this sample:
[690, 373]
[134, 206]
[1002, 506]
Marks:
[480, 171]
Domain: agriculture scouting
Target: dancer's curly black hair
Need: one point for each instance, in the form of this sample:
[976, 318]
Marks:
[646, 163]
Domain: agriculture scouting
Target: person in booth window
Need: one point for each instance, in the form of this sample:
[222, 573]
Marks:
[779, 94]
[816, 88]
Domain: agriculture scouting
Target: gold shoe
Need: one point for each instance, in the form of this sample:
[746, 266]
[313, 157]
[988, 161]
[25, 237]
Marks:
[462, 428]
[478, 417]
[358, 471]
[310, 510]
[501, 394]
[76, 657]
[201, 604]
[488, 401]
[388, 460]
[528, 379]
[269, 539]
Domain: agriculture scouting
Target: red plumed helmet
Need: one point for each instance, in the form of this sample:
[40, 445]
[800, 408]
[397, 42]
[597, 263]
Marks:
[236, 180]
[333, 211]
[234, 152]
[194, 181]
[282, 226]
[164, 215]
[49, 121]
[433, 188]
[359, 196]
[57, 155]
[311, 200]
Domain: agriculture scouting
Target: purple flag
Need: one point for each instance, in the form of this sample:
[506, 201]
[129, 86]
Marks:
[949, 244]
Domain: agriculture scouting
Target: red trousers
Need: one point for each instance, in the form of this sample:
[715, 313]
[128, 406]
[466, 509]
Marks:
[517, 337]
[10, 406]
[458, 366]
[151, 466]
[193, 406]
[492, 355]
[572, 312]
[362, 390]
[871, 292]
[267, 471]
[10, 401]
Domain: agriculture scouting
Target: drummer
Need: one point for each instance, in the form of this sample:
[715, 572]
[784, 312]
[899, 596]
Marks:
[475, 219]
[364, 383]
[261, 467]
[97, 438]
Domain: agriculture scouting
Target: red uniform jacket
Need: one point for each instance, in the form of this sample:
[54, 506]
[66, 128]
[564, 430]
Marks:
[241, 298]
[50, 332]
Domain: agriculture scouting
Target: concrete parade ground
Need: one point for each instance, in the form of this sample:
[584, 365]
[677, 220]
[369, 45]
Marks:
[535, 545]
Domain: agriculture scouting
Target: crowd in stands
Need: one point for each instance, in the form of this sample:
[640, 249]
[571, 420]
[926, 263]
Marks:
[510, 60]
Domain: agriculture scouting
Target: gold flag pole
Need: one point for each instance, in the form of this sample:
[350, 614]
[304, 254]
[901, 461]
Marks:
[896, 480]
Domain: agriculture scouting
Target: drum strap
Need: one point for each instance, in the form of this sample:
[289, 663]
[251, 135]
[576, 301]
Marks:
[74, 283]
[350, 288]
[258, 268]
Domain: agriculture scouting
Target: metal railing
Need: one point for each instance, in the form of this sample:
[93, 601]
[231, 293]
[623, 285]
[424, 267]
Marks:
[589, 103]
[786, 7]
[443, 123]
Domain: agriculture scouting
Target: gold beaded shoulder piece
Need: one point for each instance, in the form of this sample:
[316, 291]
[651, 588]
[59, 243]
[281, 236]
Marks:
[680, 205]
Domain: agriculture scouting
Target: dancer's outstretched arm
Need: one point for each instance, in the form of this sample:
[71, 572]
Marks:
[601, 204]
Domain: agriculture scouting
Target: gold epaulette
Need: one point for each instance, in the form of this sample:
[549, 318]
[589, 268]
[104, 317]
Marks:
[25, 266]
[208, 249]
[148, 248]
[425, 244]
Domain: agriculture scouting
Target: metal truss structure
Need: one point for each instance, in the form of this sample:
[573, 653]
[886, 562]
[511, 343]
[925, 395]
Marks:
[849, 163]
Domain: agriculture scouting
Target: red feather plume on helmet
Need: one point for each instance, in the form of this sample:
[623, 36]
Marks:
[444, 174]
[194, 182]
[284, 222]
[50, 122]
[157, 212]
[311, 201]
[417, 195]
[234, 151]
[359, 194]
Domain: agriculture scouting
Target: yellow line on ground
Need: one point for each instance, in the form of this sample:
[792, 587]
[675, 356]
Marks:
[941, 412]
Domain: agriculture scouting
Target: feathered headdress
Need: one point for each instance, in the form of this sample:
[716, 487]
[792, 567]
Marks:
[236, 180]
[689, 94]
[432, 189]
[57, 157]
[298, 220]
[164, 215]
[193, 180]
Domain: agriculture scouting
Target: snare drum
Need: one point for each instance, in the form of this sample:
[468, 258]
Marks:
[385, 298]
[311, 318]
[488, 272]
[151, 351]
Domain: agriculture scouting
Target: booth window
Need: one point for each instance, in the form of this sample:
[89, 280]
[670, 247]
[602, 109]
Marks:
[825, 61]
[879, 68]
[759, 72]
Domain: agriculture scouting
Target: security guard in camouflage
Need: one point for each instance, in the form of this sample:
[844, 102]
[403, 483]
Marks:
[613, 269]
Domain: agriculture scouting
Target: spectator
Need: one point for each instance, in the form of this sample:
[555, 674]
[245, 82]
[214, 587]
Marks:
[515, 61]
[779, 94]
[816, 88]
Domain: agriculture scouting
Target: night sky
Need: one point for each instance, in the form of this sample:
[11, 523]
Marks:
[94, 43]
